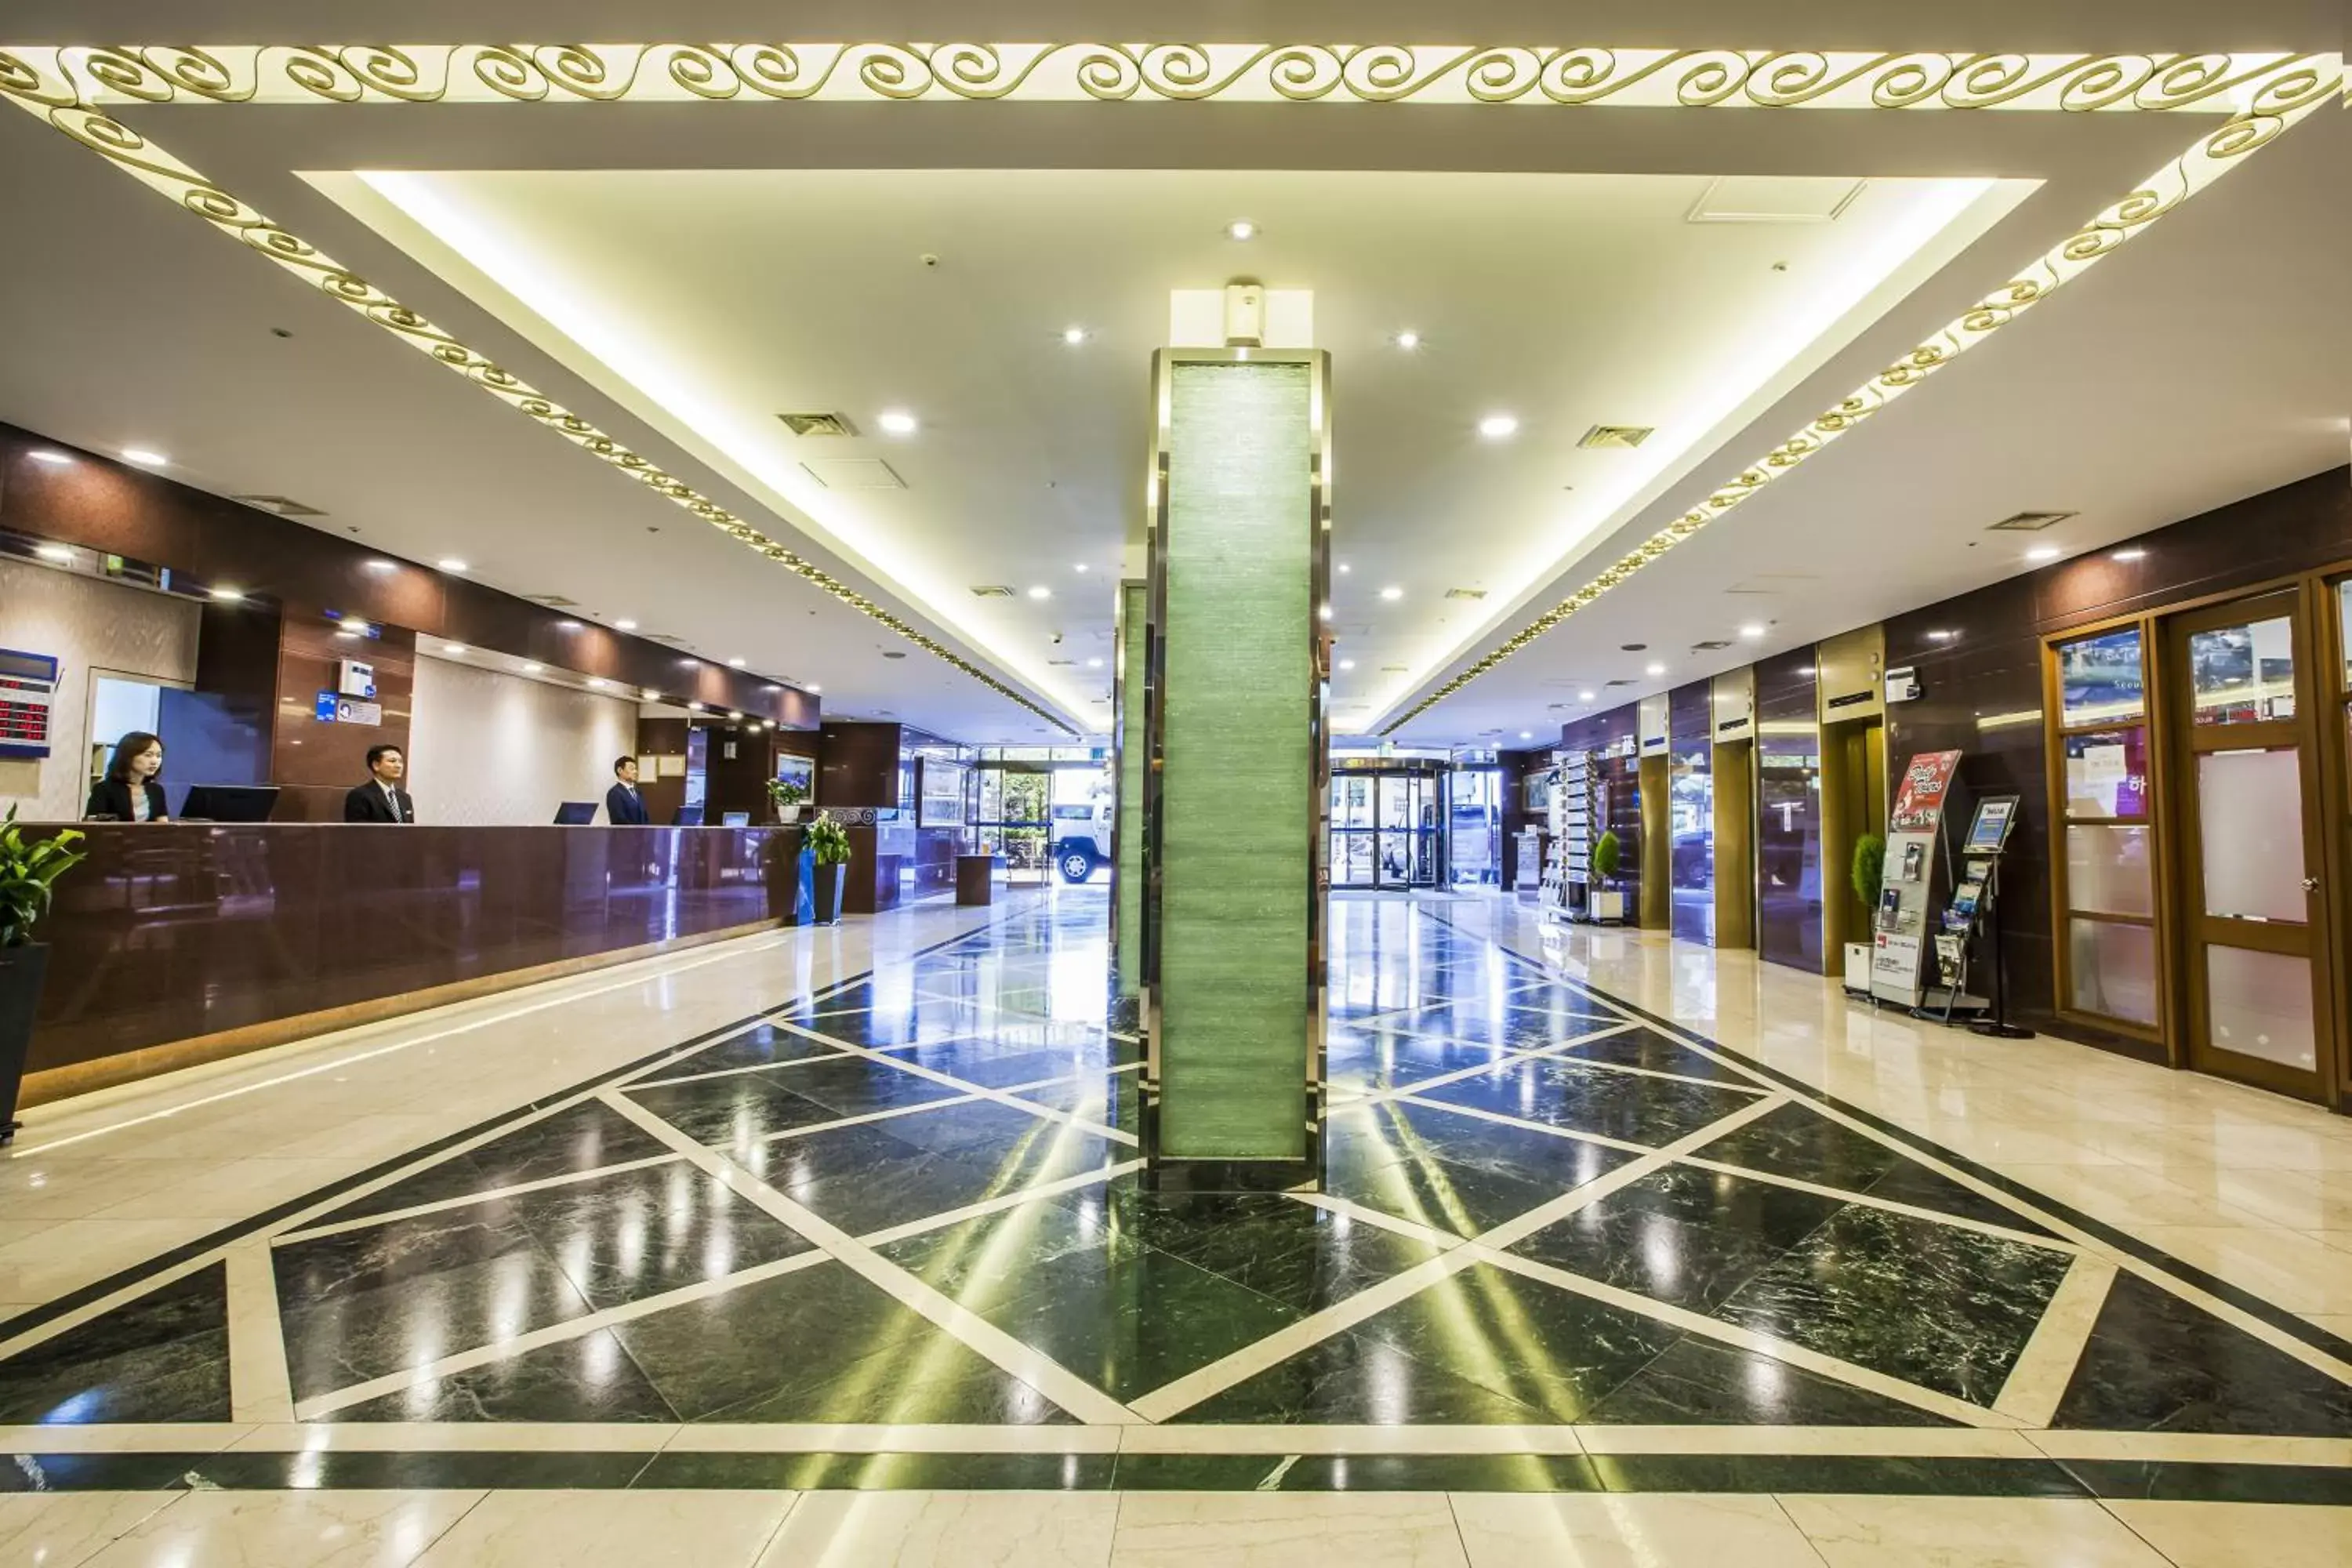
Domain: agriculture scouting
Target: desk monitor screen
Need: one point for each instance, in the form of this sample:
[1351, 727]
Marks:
[229, 803]
[687, 816]
[575, 814]
[736, 818]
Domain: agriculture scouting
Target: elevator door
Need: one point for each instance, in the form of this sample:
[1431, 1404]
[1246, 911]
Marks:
[2250, 843]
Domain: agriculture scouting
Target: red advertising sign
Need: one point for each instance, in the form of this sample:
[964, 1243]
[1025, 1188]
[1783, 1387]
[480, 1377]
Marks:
[1919, 802]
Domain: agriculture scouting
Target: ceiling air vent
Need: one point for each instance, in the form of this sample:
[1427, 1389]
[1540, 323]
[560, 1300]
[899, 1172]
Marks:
[990, 591]
[1465, 593]
[1061, 663]
[1601, 437]
[284, 505]
[854, 474]
[1710, 647]
[553, 601]
[2028, 521]
[1392, 670]
[1621, 681]
[818, 423]
[670, 637]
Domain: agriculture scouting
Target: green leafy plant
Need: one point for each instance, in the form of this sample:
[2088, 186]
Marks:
[829, 839]
[1869, 867]
[784, 794]
[29, 875]
[1607, 856]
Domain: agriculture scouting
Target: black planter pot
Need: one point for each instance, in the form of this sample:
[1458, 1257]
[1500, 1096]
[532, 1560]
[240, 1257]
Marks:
[21, 972]
[825, 884]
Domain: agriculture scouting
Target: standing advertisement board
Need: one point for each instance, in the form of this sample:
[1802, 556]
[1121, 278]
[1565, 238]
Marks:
[1899, 942]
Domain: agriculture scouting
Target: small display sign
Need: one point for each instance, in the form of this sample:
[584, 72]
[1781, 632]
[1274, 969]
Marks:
[28, 687]
[333, 708]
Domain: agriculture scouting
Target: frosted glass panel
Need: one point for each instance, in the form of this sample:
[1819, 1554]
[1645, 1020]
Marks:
[2259, 1005]
[2250, 809]
[2243, 675]
[2107, 871]
[2113, 970]
[2107, 774]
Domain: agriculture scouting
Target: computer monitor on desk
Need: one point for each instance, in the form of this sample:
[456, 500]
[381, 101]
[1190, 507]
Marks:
[229, 803]
[575, 814]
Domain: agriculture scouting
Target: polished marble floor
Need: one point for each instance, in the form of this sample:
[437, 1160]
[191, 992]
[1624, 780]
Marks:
[1610, 1219]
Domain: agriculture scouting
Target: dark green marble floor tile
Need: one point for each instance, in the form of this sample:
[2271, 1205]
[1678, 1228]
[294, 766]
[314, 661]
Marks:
[2157, 1363]
[736, 1111]
[820, 1344]
[1356, 1473]
[623, 1238]
[1659, 1052]
[161, 1357]
[1304, 1256]
[332, 1470]
[587, 1137]
[36, 1472]
[1552, 1162]
[336, 1336]
[835, 1174]
[1360, 1062]
[1576, 1096]
[1699, 1382]
[2320, 1486]
[1912, 1183]
[1499, 1022]
[990, 1064]
[1944, 1308]
[1682, 1235]
[859, 1086]
[991, 1261]
[1128, 1319]
[590, 1378]
[879, 1472]
[1556, 1352]
[765, 1044]
[1791, 1141]
[895, 1024]
[1105, 1099]
[1429, 1189]
[1349, 1381]
[1830, 1473]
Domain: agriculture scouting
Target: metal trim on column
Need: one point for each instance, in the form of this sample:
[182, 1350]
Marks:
[1126, 999]
[1225, 1174]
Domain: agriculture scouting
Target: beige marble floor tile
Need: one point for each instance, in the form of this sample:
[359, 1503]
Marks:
[603, 1529]
[61, 1530]
[2235, 1534]
[945, 1530]
[230, 1191]
[58, 1259]
[290, 1530]
[1513, 1530]
[1287, 1530]
[2284, 1267]
[1967, 1532]
[2128, 1196]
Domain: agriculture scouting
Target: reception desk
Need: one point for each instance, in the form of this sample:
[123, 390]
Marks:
[180, 942]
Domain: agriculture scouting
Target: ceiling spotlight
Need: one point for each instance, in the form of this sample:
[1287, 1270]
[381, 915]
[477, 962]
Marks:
[55, 552]
[1527, 734]
[1346, 664]
[1241, 229]
[567, 626]
[694, 706]
[1653, 668]
[1751, 631]
[46, 455]
[532, 667]
[736, 663]
[450, 563]
[1586, 696]
[1040, 591]
[1344, 569]
[1323, 613]
[229, 595]
[650, 695]
[2044, 552]
[1094, 664]
[1081, 566]
[144, 459]
[1495, 427]
[1408, 340]
[736, 717]
[812, 686]
[1941, 635]
[2129, 552]
[453, 648]
[1392, 593]
[1074, 336]
[626, 626]
[898, 422]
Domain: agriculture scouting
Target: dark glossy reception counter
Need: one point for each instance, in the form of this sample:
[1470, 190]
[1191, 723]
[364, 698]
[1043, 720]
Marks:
[180, 942]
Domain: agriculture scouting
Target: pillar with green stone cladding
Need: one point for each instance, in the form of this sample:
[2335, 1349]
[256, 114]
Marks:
[1236, 777]
[1129, 745]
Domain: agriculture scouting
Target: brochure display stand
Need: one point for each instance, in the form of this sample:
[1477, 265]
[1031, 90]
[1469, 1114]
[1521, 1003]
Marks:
[1972, 919]
[1917, 870]
[1568, 883]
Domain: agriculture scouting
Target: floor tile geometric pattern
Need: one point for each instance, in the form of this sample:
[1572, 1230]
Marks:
[916, 1204]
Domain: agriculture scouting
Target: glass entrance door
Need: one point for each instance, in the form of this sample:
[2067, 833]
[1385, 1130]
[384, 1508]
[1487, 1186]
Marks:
[2250, 845]
[1384, 828]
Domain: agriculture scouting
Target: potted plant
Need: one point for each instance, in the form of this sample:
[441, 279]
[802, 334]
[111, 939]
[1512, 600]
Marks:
[1608, 859]
[786, 797]
[1868, 872]
[829, 842]
[28, 874]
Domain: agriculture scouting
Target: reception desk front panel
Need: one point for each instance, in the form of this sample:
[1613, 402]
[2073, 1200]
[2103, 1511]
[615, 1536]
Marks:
[175, 931]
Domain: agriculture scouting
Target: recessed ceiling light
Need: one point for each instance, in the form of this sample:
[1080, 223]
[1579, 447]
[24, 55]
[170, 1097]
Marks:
[1408, 340]
[651, 695]
[46, 455]
[1094, 664]
[736, 717]
[626, 626]
[1074, 336]
[2129, 552]
[532, 667]
[1495, 427]
[55, 552]
[1081, 566]
[229, 595]
[1346, 664]
[736, 663]
[1241, 229]
[1586, 696]
[1040, 591]
[1323, 613]
[689, 659]
[1806, 669]
[598, 681]
[1653, 668]
[1941, 635]
[567, 626]
[451, 564]
[380, 564]
[1527, 734]
[1751, 631]
[453, 648]
[771, 688]
[1392, 593]
[145, 459]
[812, 686]
[1344, 569]
[694, 706]
[898, 422]
[2044, 552]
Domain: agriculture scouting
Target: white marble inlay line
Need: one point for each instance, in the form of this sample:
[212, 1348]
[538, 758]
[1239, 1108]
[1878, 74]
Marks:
[2037, 1379]
[464, 1200]
[259, 1388]
[1043, 1112]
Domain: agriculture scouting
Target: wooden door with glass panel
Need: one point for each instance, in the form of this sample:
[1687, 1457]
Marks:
[2246, 747]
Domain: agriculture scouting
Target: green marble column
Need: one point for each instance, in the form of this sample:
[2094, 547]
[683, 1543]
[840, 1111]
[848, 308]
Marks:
[1235, 796]
[1130, 745]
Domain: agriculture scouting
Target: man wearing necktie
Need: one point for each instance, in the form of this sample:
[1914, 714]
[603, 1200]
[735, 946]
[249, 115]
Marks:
[381, 799]
[623, 807]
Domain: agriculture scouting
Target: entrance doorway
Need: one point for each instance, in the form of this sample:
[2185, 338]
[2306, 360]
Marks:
[1386, 826]
[2244, 679]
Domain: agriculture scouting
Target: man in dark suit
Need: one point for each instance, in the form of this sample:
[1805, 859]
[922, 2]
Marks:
[623, 807]
[381, 799]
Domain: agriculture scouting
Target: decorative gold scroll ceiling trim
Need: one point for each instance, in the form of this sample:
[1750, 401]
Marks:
[69, 86]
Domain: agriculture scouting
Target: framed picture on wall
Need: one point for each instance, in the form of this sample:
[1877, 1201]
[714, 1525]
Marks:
[800, 770]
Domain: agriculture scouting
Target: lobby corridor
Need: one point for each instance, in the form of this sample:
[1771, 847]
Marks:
[834, 1275]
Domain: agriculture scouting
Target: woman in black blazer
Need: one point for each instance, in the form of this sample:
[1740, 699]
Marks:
[129, 791]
